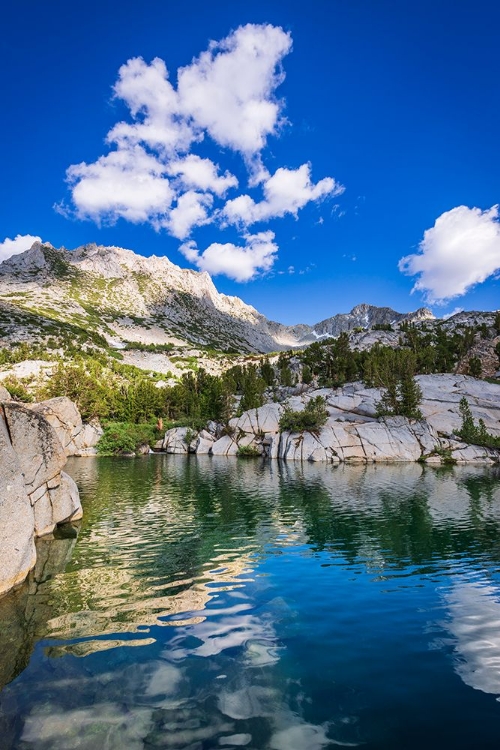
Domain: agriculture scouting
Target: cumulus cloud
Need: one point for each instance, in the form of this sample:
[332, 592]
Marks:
[285, 192]
[151, 173]
[155, 108]
[229, 90]
[240, 263]
[128, 183]
[195, 172]
[19, 244]
[191, 211]
[461, 249]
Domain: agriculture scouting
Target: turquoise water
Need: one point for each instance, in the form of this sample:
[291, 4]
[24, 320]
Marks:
[232, 603]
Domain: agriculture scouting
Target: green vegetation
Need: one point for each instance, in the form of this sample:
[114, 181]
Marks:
[395, 374]
[475, 368]
[155, 348]
[312, 418]
[334, 363]
[248, 451]
[472, 433]
[17, 389]
[123, 437]
[91, 373]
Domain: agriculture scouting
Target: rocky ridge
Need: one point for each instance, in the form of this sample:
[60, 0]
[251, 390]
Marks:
[127, 297]
[354, 433]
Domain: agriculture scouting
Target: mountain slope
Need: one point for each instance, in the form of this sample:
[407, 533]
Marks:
[122, 296]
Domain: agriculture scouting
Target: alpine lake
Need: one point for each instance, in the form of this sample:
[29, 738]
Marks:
[240, 603]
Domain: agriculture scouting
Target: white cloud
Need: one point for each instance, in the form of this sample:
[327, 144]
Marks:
[19, 244]
[128, 183]
[461, 249]
[191, 211]
[229, 90]
[202, 174]
[285, 192]
[237, 262]
[150, 173]
[155, 109]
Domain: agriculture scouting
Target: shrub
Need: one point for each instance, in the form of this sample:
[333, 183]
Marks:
[401, 397]
[189, 436]
[123, 437]
[306, 375]
[17, 389]
[312, 418]
[248, 451]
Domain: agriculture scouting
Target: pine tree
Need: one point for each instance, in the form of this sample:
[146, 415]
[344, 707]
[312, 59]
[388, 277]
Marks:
[410, 397]
[475, 367]
[468, 431]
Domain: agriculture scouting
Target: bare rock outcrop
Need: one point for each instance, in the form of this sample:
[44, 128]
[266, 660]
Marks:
[35, 494]
[76, 438]
[17, 520]
[353, 433]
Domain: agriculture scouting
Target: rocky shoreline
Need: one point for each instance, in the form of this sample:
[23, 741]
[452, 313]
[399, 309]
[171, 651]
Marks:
[36, 494]
[353, 433]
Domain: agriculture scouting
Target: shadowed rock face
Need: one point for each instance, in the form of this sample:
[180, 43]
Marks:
[41, 455]
[17, 549]
[35, 494]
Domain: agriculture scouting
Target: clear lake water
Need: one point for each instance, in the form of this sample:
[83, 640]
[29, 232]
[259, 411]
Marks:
[237, 603]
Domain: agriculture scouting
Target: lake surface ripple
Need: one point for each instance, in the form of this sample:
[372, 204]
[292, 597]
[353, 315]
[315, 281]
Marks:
[228, 603]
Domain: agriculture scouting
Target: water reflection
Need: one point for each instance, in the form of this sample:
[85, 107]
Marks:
[474, 624]
[273, 606]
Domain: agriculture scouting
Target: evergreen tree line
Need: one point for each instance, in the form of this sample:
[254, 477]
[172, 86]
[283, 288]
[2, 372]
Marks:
[105, 388]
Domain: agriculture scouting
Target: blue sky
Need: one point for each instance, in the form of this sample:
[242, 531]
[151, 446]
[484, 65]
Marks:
[338, 133]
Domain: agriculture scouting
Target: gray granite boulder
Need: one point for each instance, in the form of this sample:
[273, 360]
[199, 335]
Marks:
[39, 450]
[175, 440]
[76, 438]
[17, 547]
[35, 494]
[353, 433]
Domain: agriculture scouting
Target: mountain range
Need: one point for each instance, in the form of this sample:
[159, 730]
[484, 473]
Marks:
[130, 298]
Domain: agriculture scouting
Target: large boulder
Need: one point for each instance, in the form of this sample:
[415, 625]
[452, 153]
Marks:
[35, 494]
[224, 446]
[76, 438]
[17, 547]
[176, 440]
[65, 500]
[259, 421]
[40, 453]
[353, 432]
[441, 401]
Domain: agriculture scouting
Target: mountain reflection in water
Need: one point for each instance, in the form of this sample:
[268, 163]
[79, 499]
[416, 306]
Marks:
[277, 606]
